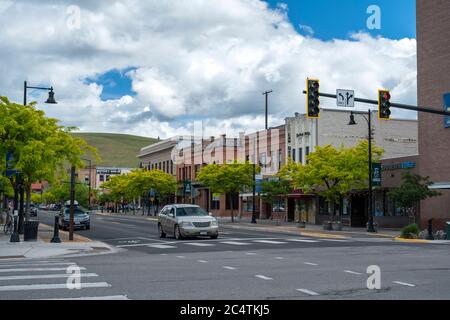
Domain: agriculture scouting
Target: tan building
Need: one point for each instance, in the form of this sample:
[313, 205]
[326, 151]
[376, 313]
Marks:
[159, 156]
[433, 82]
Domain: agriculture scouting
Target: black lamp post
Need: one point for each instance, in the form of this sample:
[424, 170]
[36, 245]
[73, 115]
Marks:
[50, 100]
[370, 226]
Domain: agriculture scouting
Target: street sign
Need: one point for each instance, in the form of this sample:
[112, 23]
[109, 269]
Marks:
[345, 98]
[447, 108]
[376, 174]
[258, 183]
[10, 171]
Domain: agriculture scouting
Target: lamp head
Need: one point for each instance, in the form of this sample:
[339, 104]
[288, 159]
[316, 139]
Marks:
[352, 119]
[51, 97]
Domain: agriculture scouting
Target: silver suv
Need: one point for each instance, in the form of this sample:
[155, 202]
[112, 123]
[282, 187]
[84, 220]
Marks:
[186, 220]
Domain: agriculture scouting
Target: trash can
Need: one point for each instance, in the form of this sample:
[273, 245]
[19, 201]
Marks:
[30, 231]
[448, 230]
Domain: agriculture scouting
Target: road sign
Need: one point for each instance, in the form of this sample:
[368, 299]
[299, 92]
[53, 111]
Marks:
[10, 171]
[345, 98]
[447, 108]
[258, 183]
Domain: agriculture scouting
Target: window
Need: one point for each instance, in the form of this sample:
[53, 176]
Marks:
[279, 158]
[164, 166]
[86, 178]
[215, 202]
[107, 177]
[167, 166]
[307, 153]
[102, 178]
[300, 155]
[160, 166]
[293, 155]
[171, 166]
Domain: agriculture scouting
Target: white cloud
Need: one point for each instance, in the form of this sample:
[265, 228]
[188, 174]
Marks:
[193, 59]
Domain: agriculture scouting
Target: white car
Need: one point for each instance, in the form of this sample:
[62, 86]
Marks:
[186, 220]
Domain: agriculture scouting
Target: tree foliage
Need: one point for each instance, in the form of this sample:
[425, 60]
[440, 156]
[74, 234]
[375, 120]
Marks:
[227, 178]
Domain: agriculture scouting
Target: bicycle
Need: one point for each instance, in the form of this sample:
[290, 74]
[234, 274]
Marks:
[8, 228]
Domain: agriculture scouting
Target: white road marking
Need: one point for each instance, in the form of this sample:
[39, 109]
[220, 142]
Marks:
[279, 258]
[202, 261]
[302, 240]
[163, 254]
[269, 241]
[38, 264]
[46, 276]
[53, 286]
[229, 268]
[119, 297]
[132, 245]
[310, 263]
[352, 272]
[236, 243]
[181, 257]
[263, 277]
[36, 269]
[335, 240]
[404, 283]
[199, 244]
[161, 246]
[309, 292]
[250, 253]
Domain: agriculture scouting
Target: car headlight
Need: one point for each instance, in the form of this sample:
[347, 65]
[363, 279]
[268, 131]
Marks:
[186, 224]
[214, 223]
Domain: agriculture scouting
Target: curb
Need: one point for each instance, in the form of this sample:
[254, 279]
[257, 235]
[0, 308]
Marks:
[412, 240]
[77, 238]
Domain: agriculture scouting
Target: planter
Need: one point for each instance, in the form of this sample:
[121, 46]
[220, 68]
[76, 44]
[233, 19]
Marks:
[337, 226]
[327, 225]
[301, 224]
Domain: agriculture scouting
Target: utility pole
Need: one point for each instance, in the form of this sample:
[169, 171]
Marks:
[72, 202]
[267, 106]
[370, 226]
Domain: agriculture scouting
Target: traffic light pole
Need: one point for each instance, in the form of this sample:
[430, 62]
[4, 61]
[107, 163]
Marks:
[393, 105]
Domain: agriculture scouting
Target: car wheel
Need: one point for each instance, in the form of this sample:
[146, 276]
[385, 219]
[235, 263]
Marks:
[215, 236]
[177, 233]
[160, 231]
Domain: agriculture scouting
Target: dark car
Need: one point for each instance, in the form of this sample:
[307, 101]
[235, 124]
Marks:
[81, 218]
[33, 210]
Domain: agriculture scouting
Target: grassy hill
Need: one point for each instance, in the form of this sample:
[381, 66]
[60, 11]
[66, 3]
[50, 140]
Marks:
[116, 150]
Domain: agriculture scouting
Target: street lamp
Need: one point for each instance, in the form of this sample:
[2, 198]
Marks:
[50, 100]
[370, 226]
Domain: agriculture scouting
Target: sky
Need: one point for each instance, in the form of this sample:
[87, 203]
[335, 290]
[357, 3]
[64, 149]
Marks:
[164, 68]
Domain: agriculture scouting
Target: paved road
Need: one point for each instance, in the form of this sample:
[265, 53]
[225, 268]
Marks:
[240, 264]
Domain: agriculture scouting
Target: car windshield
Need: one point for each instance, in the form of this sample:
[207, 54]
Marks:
[77, 212]
[191, 211]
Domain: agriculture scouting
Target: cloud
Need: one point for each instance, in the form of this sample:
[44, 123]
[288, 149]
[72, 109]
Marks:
[307, 29]
[199, 59]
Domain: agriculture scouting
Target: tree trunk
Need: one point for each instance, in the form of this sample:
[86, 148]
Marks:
[231, 206]
[28, 201]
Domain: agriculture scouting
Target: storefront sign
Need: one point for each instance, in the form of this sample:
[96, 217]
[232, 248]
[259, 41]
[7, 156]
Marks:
[108, 171]
[447, 108]
[396, 166]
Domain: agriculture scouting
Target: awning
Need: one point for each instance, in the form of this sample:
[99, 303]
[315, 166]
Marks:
[440, 185]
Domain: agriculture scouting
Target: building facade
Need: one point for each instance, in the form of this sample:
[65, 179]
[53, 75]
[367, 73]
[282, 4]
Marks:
[433, 82]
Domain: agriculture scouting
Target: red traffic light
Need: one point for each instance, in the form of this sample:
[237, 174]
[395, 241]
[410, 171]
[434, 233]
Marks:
[386, 95]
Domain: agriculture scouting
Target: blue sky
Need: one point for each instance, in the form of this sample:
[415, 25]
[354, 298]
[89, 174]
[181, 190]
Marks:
[338, 19]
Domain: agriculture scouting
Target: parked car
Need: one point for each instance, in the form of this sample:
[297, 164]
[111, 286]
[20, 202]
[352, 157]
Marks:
[81, 219]
[186, 220]
[33, 210]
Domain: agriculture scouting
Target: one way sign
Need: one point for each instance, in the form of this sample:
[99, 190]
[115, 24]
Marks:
[345, 98]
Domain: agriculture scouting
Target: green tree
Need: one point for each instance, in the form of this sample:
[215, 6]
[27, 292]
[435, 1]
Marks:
[227, 179]
[413, 189]
[332, 172]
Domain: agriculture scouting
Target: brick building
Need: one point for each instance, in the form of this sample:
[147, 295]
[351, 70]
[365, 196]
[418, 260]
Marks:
[433, 81]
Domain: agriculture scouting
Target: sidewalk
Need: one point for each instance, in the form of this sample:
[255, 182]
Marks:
[44, 249]
[311, 230]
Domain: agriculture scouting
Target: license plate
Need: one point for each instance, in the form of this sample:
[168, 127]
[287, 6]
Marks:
[203, 233]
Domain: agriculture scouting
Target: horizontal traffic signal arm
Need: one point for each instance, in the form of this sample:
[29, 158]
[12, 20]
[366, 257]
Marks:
[393, 105]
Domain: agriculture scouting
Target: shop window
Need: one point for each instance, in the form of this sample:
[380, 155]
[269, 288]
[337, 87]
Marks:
[215, 203]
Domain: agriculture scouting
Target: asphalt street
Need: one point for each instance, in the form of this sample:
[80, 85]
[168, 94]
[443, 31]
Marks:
[240, 264]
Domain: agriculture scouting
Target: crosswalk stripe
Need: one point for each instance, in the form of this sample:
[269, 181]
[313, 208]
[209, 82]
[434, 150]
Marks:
[199, 244]
[45, 276]
[229, 268]
[161, 246]
[263, 277]
[37, 264]
[404, 283]
[335, 240]
[310, 263]
[36, 269]
[269, 241]
[352, 272]
[52, 286]
[311, 293]
[118, 297]
[302, 240]
[236, 243]
[202, 261]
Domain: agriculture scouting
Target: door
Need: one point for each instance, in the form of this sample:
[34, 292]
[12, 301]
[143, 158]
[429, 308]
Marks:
[358, 211]
[291, 210]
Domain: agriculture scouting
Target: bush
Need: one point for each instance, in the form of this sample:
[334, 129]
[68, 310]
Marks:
[411, 231]
[440, 235]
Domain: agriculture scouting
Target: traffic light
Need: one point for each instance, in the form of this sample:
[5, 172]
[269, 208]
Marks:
[384, 105]
[312, 98]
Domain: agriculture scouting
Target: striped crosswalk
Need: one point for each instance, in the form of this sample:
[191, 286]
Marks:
[52, 280]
